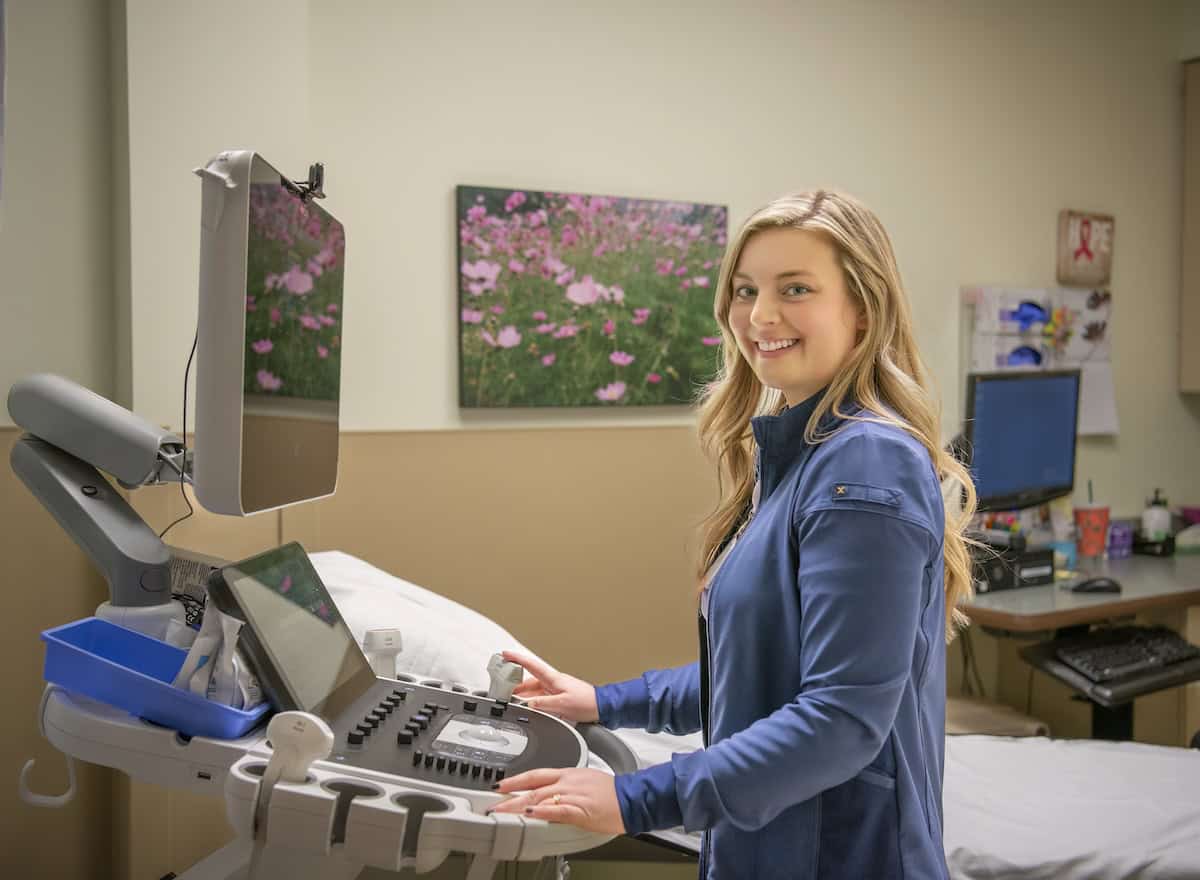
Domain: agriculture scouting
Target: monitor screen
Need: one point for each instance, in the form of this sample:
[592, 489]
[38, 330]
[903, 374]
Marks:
[1021, 434]
[306, 642]
[292, 347]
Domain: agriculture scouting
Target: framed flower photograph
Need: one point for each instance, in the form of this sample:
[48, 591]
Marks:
[567, 299]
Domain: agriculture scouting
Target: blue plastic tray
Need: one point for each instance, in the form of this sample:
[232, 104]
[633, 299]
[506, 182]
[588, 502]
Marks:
[134, 672]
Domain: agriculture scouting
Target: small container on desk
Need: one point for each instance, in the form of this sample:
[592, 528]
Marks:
[1120, 539]
[134, 672]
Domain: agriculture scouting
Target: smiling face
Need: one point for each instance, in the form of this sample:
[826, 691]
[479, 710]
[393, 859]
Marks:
[790, 312]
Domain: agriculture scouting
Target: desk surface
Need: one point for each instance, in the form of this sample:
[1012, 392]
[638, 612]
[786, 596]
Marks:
[1146, 582]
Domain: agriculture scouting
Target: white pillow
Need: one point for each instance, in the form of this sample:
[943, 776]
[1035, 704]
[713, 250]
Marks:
[440, 639]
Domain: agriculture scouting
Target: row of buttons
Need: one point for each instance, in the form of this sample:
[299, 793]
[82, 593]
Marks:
[452, 765]
[418, 722]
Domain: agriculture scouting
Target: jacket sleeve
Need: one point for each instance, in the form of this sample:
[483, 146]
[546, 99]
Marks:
[659, 700]
[861, 576]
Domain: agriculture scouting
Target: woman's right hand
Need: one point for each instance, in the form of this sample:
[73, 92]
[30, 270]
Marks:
[554, 692]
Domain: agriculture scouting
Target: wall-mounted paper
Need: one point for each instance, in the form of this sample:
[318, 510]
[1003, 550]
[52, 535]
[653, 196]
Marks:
[1015, 328]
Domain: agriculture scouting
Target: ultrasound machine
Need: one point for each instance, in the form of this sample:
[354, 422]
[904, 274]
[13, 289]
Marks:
[339, 768]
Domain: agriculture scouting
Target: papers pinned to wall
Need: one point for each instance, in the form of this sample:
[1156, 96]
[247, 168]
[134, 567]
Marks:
[1058, 328]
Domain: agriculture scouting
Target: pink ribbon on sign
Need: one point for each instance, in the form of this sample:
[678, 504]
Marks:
[1085, 239]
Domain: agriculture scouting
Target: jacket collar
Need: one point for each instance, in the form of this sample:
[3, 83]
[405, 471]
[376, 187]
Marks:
[781, 440]
[782, 436]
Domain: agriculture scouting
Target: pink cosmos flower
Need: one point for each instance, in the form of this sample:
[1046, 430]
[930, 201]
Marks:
[268, 381]
[326, 321]
[322, 352]
[583, 293]
[610, 327]
[262, 346]
[681, 271]
[544, 328]
[471, 316]
[685, 283]
[708, 264]
[549, 359]
[621, 358]
[564, 277]
[476, 213]
[566, 331]
[497, 310]
[314, 267]
[308, 322]
[612, 391]
[539, 315]
[488, 338]
[276, 317]
[298, 282]
[250, 306]
[700, 281]
[332, 308]
[616, 294]
[653, 378]
[514, 201]
[516, 265]
[711, 340]
[481, 275]
[664, 267]
[509, 337]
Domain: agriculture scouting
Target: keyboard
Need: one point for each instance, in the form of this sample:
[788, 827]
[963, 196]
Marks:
[1105, 655]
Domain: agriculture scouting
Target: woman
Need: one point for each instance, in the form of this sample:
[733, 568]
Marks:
[829, 575]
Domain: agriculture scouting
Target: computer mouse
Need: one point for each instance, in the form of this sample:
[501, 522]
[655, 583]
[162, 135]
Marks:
[1097, 585]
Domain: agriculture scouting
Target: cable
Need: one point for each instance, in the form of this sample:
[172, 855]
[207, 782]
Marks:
[1029, 692]
[183, 469]
[965, 685]
[975, 666]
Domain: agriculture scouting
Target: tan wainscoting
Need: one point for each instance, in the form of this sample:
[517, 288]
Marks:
[580, 543]
[49, 582]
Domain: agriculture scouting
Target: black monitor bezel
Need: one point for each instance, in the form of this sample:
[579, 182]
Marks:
[224, 591]
[1031, 497]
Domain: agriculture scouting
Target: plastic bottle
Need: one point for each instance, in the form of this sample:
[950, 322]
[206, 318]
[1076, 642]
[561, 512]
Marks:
[1156, 518]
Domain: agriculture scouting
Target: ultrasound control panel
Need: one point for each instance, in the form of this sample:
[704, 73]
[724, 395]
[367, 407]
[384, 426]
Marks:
[448, 737]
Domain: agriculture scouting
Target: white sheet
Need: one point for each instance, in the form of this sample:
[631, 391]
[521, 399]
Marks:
[1015, 809]
[1034, 808]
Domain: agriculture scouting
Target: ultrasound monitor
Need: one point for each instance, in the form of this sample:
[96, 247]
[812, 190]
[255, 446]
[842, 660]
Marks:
[305, 654]
[1020, 433]
[269, 340]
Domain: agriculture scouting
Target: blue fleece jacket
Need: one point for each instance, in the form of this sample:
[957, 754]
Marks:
[821, 685]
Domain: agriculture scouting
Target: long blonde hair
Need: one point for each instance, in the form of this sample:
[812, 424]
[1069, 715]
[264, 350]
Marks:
[884, 375]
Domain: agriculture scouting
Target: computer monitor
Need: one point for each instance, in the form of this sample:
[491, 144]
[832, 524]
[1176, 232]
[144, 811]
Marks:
[269, 344]
[1020, 433]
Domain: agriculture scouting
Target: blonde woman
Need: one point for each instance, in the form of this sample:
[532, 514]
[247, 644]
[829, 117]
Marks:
[829, 575]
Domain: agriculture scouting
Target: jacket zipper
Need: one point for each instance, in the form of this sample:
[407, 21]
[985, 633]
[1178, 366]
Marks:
[706, 653]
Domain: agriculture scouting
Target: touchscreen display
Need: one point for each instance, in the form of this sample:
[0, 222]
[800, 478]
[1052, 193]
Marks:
[306, 640]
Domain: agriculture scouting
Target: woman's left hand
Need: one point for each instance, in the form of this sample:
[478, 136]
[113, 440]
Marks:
[586, 798]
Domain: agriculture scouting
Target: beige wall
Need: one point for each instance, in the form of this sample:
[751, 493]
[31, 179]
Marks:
[967, 126]
[55, 247]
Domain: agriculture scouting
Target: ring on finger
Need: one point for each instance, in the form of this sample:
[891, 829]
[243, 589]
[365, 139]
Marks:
[556, 800]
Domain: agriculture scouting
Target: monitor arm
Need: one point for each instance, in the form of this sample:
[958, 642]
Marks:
[73, 432]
